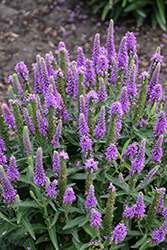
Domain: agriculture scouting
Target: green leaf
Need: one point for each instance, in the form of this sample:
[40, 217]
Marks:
[20, 213]
[84, 246]
[28, 227]
[73, 223]
[7, 229]
[141, 12]
[140, 242]
[42, 239]
[29, 203]
[78, 176]
[136, 5]
[159, 20]
[77, 244]
[125, 146]
[84, 220]
[39, 228]
[124, 2]
[161, 9]
[88, 229]
[55, 218]
[29, 243]
[53, 236]
[52, 205]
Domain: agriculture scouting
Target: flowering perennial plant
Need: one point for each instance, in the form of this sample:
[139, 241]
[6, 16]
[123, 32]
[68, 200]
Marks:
[79, 153]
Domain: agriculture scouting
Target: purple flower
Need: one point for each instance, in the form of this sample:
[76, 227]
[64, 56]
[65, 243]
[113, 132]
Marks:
[153, 81]
[157, 151]
[26, 142]
[102, 65]
[57, 135]
[69, 195]
[118, 128]
[42, 123]
[119, 233]
[80, 57]
[110, 43]
[2, 144]
[51, 190]
[121, 178]
[116, 110]
[160, 128]
[89, 74]
[102, 94]
[143, 122]
[131, 42]
[144, 75]
[101, 124]
[92, 96]
[40, 177]
[63, 111]
[86, 143]
[56, 161]
[136, 61]
[150, 174]
[19, 92]
[83, 106]
[124, 100]
[22, 72]
[164, 213]
[131, 82]
[64, 155]
[113, 78]
[91, 164]
[8, 191]
[63, 47]
[83, 126]
[49, 59]
[156, 93]
[90, 199]
[159, 234]
[12, 171]
[122, 55]
[95, 218]
[160, 206]
[50, 99]
[130, 151]
[28, 122]
[8, 116]
[138, 162]
[3, 159]
[111, 152]
[96, 49]
[140, 206]
[157, 58]
[129, 212]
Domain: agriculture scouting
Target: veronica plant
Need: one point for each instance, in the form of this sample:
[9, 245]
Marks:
[79, 153]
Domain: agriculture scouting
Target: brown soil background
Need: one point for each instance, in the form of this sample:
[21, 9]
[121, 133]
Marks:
[31, 27]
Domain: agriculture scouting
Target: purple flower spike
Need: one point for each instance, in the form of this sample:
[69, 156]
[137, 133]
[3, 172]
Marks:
[119, 233]
[90, 199]
[124, 100]
[63, 111]
[123, 55]
[80, 57]
[3, 159]
[69, 196]
[42, 123]
[153, 81]
[164, 213]
[160, 206]
[57, 135]
[157, 151]
[83, 126]
[40, 177]
[63, 47]
[89, 74]
[50, 99]
[140, 206]
[110, 43]
[131, 43]
[116, 110]
[129, 212]
[101, 124]
[96, 49]
[95, 218]
[157, 58]
[102, 94]
[131, 82]
[86, 143]
[160, 128]
[150, 174]
[156, 93]
[92, 96]
[51, 190]
[8, 116]
[111, 152]
[83, 106]
[8, 191]
[159, 234]
[91, 164]
[26, 142]
[28, 122]
[138, 162]
[130, 151]
[56, 161]
[22, 72]
[102, 65]
[64, 155]
[12, 171]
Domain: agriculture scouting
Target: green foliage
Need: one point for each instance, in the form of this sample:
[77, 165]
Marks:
[155, 10]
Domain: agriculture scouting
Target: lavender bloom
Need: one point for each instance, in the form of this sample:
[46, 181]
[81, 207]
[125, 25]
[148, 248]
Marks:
[101, 124]
[42, 123]
[129, 212]
[48, 62]
[62, 46]
[131, 42]
[156, 93]
[63, 111]
[118, 128]
[96, 49]
[102, 65]
[50, 99]
[92, 96]
[111, 152]
[116, 110]
[86, 143]
[56, 161]
[64, 155]
[83, 106]
[89, 74]
[70, 85]
[157, 58]
[110, 43]
[153, 81]
[91, 164]
[2, 144]
[74, 76]
[140, 206]
[124, 100]
[19, 92]
[40, 177]
[130, 151]
[138, 162]
[131, 82]
[26, 142]
[28, 122]
[57, 135]
[119, 233]
[51, 190]
[157, 151]
[90, 199]
[69, 196]
[159, 234]
[83, 126]
[144, 75]
[143, 122]
[8, 116]
[37, 85]
[164, 213]
[8, 191]
[150, 174]
[22, 72]
[123, 56]
[160, 206]
[12, 171]
[80, 57]
[121, 178]
[102, 94]
[136, 61]
[113, 78]
[3, 159]
[160, 128]
[95, 218]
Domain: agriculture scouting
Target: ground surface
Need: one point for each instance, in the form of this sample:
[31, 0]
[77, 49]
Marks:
[31, 27]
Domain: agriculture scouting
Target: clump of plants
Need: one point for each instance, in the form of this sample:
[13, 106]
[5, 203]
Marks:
[83, 156]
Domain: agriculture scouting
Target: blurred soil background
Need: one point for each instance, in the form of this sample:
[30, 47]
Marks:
[31, 27]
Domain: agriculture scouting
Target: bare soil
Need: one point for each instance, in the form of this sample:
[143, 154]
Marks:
[31, 27]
